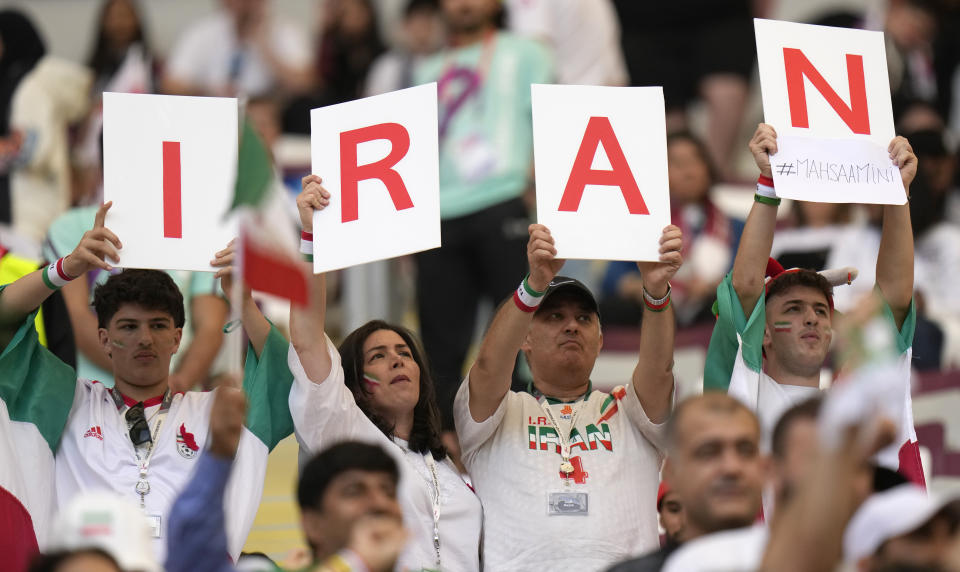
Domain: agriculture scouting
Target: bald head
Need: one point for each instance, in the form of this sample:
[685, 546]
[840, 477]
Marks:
[701, 409]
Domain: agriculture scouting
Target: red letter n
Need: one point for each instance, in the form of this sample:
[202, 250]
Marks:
[600, 132]
[351, 174]
[797, 66]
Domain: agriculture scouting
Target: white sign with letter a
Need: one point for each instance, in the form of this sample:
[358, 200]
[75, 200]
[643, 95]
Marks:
[826, 93]
[379, 159]
[601, 170]
[169, 166]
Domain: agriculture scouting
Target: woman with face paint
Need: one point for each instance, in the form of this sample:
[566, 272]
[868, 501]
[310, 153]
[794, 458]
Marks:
[377, 387]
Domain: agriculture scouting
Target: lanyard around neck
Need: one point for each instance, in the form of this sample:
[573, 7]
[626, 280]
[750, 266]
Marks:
[435, 502]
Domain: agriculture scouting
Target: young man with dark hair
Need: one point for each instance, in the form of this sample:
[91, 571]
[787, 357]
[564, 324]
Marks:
[138, 439]
[347, 495]
[774, 327]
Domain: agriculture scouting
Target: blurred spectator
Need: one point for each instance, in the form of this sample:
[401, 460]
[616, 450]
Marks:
[206, 312]
[347, 494]
[694, 49]
[910, 29]
[240, 49]
[714, 466]
[103, 520]
[584, 36]
[121, 61]
[84, 560]
[486, 152]
[937, 247]
[673, 519]
[348, 44]
[40, 96]
[904, 528]
[421, 35]
[710, 241]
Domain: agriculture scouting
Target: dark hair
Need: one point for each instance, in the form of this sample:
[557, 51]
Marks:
[416, 6]
[801, 277]
[149, 289]
[340, 458]
[425, 434]
[688, 136]
[22, 49]
[101, 60]
[51, 561]
[805, 410]
[711, 401]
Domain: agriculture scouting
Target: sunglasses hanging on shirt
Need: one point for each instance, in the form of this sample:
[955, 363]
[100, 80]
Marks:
[139, 430]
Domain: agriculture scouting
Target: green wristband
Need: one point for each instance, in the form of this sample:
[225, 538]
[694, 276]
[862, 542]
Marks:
[772, 201]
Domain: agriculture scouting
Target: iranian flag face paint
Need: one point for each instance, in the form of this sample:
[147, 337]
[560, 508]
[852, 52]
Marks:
[782, 327]
[370, 380]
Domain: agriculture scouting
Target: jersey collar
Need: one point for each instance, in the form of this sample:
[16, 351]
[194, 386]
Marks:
[537, 394]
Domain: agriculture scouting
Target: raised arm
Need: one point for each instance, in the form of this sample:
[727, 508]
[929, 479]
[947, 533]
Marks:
[491, 373]
[307, 325]
[895, 258]
[20, 298]
[653, 376]
[750, 264]
[255, 324]
[208, 313]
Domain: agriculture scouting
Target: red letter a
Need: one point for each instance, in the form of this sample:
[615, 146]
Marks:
[797, 66]
[351, 173]
[600, 132]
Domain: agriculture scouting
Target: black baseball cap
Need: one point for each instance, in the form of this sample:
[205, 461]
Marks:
[573, 286]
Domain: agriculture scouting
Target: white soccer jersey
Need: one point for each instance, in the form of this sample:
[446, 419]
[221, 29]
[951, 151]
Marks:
[95, 451]
[514, 461]
[326, 413]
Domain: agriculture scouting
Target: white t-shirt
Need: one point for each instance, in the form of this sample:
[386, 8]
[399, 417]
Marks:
[514, 461]
[326, 413]
[96, 453]
[210, 56]
[583, 34]
[738, 550]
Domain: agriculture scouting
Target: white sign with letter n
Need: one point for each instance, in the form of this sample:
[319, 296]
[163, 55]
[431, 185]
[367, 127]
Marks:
[378, 157]
[601, 170]
[169, 166]
[826, 93]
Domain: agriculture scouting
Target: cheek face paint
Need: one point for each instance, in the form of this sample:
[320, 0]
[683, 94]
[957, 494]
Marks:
[117, 344]
[782, 327]
[370, 380]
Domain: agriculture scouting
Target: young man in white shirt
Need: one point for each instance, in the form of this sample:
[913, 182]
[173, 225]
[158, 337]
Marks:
[139, 439]
[567, 474]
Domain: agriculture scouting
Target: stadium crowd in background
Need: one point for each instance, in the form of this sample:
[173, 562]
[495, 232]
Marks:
[489, 446]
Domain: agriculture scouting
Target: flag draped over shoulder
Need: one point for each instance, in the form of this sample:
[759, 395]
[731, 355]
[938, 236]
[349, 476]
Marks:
[266, 258]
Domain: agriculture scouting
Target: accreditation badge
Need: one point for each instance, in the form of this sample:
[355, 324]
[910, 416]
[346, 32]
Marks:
[475, 158]
[153, 520]
[567, 503]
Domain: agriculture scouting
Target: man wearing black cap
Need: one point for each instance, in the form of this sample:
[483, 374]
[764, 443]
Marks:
[567, 474]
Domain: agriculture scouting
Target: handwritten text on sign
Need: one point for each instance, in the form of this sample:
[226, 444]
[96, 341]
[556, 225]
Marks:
[828, 86]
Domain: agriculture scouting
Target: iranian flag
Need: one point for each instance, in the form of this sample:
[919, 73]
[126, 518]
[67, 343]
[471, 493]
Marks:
[33, 413]
[267, 255]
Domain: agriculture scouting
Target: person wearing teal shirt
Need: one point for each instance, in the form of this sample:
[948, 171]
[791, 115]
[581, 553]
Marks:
[486, 159]
[206, 311]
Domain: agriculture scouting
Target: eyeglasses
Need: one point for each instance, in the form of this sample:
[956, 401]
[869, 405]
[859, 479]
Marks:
[139, 430]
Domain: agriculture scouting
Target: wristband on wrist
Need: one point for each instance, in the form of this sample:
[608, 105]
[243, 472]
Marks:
[657, 304]
[765, 187]
[526, 298]
[54, 277]
[306, 245]
[772, 201]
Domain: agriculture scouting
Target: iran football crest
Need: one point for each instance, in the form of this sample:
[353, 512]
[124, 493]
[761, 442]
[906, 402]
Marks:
[186, 444]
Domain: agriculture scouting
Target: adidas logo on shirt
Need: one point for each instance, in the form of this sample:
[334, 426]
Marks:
[94, 432]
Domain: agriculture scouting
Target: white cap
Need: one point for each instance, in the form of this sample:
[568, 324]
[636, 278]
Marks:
[888, 514]
[101, 519]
